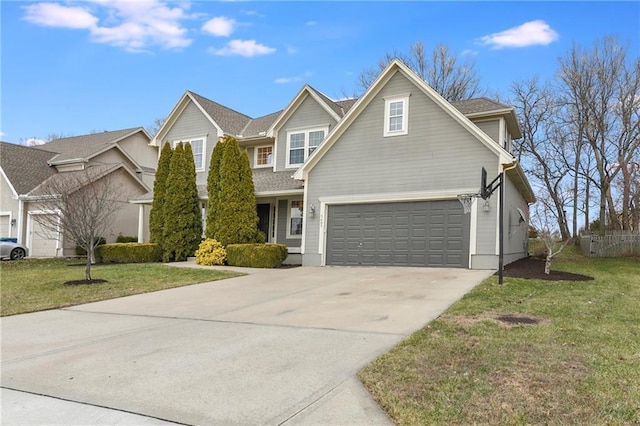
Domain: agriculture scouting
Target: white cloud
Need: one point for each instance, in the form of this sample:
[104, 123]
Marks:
[247, 48]
[311, 23]
[132, 25]
[2, 134]
[56, 15]
[528, 34]
[469, 52]
[34, 142]
[297, 78]
[291, 50]
[220, 26]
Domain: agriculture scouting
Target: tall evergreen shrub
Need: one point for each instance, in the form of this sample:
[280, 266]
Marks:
[156, 216]
[237, 220]
[213, 190]
[182, 217]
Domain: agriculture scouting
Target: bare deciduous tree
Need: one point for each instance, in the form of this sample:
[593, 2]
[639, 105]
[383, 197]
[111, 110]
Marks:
[455, 80]
[543, 220]
[83, 203]
[605, 88]
[540, 148]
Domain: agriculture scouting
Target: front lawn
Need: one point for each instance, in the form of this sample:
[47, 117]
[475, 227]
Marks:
[528, 352]
[37, 284]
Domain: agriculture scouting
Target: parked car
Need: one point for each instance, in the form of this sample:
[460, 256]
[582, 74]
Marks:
[12, 250]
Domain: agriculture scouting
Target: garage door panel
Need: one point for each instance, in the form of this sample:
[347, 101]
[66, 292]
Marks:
[422, 233]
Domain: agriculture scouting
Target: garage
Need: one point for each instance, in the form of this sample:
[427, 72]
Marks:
[43, 242]
[5, 225]
[419, 233]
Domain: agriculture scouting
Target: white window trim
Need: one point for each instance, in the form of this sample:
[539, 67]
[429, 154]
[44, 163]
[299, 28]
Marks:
[255, 157]
[289, 202]
[405, 115]
[204, 149]
[306, 132]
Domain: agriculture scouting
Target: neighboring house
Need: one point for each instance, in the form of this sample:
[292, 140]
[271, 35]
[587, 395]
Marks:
[372, 181]
[124, 155]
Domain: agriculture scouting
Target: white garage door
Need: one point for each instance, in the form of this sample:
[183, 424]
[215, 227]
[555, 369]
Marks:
[5, 225]
[43, 242]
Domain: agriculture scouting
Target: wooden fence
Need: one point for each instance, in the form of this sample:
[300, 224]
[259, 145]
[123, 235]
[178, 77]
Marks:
[620, 244]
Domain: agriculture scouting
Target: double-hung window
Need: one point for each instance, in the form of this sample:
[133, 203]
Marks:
[396, 115]
[198, 148]
[294, 219]
[302, 143]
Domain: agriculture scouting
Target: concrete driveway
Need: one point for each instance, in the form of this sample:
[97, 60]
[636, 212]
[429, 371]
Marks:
[272, 347]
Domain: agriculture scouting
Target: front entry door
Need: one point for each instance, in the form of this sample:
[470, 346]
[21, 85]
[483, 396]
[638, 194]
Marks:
[263, 218]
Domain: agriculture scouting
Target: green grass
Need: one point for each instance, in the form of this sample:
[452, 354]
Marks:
[38, 284]
[579, 365]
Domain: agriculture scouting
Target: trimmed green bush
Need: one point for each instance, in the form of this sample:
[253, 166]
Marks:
[210, 252]
[213, 190]
[128, 253]
[126, 239]
[256, 255]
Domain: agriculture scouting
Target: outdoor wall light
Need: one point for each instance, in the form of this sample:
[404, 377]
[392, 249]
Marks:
[486, 207]
[13, 222]
[312, 210]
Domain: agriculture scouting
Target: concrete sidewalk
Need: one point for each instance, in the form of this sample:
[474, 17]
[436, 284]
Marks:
[272, 347]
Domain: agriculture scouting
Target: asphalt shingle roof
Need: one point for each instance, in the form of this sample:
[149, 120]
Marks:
[83, 147]
[25, 167]
[330, 103]
[261, 124]
[477, 105]
[232, 122]
[265, 180]
[70, 181]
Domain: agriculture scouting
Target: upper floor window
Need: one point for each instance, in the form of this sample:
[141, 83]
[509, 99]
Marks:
[396, 115]
[263, 156]
[197, 146]
[302, 143]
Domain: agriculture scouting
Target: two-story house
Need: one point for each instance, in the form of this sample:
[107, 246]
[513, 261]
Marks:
[123, 156]
[374, 180]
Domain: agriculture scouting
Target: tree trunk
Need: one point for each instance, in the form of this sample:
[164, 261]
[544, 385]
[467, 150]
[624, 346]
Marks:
[87, 271]
[586, 205]
[547, 263]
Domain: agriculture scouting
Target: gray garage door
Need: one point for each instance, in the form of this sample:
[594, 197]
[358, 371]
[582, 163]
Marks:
[421, 233]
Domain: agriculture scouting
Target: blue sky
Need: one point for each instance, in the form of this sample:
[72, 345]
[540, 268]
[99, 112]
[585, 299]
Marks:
[73, 67]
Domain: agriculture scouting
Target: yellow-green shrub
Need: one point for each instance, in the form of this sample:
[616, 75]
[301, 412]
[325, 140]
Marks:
[256, 255]
[210, 252]
[128, 253]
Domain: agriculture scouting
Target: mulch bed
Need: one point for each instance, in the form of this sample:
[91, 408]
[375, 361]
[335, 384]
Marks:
[83, 282]
[533, 268]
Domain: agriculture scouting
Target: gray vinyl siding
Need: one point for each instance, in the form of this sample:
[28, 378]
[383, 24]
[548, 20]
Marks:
[308, 114]
[516, 237]
[137, 147]
[437, 154]
[491, 128]
[190, 124]
[281, 227]
[8, 204]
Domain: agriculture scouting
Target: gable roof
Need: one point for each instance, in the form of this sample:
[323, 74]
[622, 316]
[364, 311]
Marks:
[25, 167]
[230, 121]
[333, 109]
[394, 67]
[397, 66]
[84, 147]
[73, 180]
